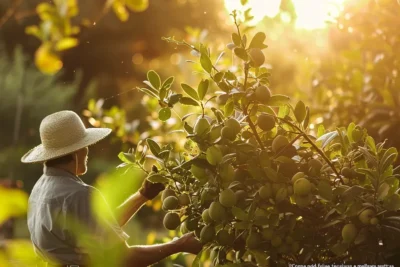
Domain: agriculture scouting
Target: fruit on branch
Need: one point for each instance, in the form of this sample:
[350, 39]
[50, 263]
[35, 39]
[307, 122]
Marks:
[315, 165]
[217, 212]
[257, 57]
[201, 127]
[366, 215]
[233, 124]
[302, 187]
[374, 221]
[266, 122]
[302, 201]
[199, 173]
[267, 233]
[207, 234]
[170, 203]
[349, 233]
[171, 221]
[227, 198]
[206, 217]
[298, 176]
[228, 133]
[192, 223]
[224, 238]
[347, 172]
[265, 192]
[184, 199]
[279, 142]
[167, 193]
[262, 94]
[213, 155]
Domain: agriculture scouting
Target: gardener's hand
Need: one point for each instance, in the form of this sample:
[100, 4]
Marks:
[189, 244]
[150, 190]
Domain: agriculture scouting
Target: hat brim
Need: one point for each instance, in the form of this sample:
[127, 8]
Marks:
[41, 154]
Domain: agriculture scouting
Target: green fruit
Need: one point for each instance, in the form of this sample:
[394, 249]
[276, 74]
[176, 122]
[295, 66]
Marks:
[374, 221]
[257, 57]
[302, 187]
[366, 216]
[224, 238]
[247, 134]
[201, 127]
[207, 234]
[233, 124]
[265, 191]
[289, 240]
[349, 233]
[325, 190]
[298, 176]
[262, 94]
[279, 142]
[253, 240]
[276, 187]
[315, 164]
[206, 217]
[184, 199]
[170, 203]
[227, 198]
[240, 196]
[207, 197]
[213, 155]
[266, 122]
[227, 173]
[171, 221]
[290, 190]
[303, 201]
[198, 172]
[183, 228]
[217, 212]
[228, 133]
[192, 223]
[167, 193]
[276, 241]
[215, 133]
[281, 195]
[267, 233]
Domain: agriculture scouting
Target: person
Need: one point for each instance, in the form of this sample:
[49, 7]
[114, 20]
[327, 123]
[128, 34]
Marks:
[60, 201]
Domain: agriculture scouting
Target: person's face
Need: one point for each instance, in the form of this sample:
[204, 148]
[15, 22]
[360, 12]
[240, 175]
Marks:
[82, 157]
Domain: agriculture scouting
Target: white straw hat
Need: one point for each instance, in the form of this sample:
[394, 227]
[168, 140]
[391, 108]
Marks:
[63, 133]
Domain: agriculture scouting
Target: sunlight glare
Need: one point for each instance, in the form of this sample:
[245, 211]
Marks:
[311, 14]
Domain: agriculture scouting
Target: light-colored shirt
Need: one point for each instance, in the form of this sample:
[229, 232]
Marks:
[61, 221]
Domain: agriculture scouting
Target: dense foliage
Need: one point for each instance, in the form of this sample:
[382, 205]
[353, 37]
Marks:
[255, 184]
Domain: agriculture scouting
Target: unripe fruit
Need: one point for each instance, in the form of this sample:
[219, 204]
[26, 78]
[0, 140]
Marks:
[217, 212]
[298, 176]
[315, 164]
[224, 238]
[183, 228]
[207, 234]
[276, 241]
[167, 193]
[215, 133]
[374, 221]
[233, 124]
[207, 197]
[347, 172]
[202, 126]
[279, 142]
[192, 223]
[213, 155]
[184, 199]
[257, 57]
[262, 94]
[265, 191]
[253, 240]
[303, 201]
[349, 233]
[228, 133]
[302, 187]
[281, 195]
[247, 134]
[366, 216]
[267, 233]
[240, 195]
[199, 173]
[171, 221]
[266, 122]
[170, 203]
[206, 217]
[227, 198]
[227, 172]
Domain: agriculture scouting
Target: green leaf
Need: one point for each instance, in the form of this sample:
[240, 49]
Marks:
[307, 118]
[154, 147]
[154, 79]
[352, 192]
[371, 143]
[241, 53]
[350, 129]
[383, 191]
[218, 76]
[188, 101]
[163, 93]
[339, 248]
[206, 63]
[278, 100]
[229, 107]
[203, 88]
[190, 91]
[236, 39]
[284, 110]
[164, 114]
[174, 98]
[148, 92]
[321, 130]
[260, 256]
[241, 225]
[157, 178]
[258, 41]
[239, 214]
[388, 158]
[168, 82]
[300, 111]
[126, 157]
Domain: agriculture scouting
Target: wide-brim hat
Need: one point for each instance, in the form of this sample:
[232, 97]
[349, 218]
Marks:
[63, 133]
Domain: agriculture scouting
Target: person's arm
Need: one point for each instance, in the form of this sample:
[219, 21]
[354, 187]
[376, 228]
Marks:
[129, 208]
[141, 256]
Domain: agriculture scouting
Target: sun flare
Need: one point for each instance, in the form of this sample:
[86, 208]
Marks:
[311, 14]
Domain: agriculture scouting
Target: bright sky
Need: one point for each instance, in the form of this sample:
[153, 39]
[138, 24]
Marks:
[311, 14]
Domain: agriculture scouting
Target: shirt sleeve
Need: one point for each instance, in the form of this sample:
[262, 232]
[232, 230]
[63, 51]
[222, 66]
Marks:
[97, 225]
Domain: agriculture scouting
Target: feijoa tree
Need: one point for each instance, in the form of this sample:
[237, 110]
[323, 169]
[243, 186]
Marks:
[255, 183]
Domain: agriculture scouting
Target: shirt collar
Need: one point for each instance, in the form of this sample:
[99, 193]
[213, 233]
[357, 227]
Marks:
[51, 171]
